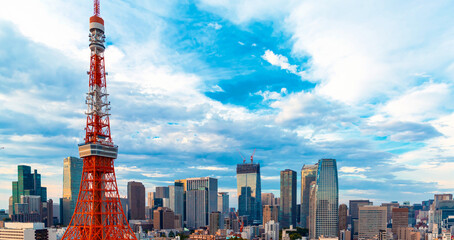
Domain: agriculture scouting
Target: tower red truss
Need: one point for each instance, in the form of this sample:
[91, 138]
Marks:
[98, 214]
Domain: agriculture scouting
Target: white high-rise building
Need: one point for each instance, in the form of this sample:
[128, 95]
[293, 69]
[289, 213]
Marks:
[271, 230]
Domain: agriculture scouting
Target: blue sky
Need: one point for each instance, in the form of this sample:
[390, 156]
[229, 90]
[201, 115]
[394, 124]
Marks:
[367, 83]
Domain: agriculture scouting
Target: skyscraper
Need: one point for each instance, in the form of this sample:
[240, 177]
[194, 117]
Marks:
[72, 173]
[308, 175]
[162, 192]
[389, 209]
[354, 214]
[211, 186]
[249, 191]
[223, 203]
[176, 198]
[150, 199]
[164, 218]
[287, 207]
[399, 218]
[312, 209]
[267, 199]
[270, 212]
[215, 222]
[327, 199]
[27, 184]
[342, 217]
[136, 200]
[372, 219]
[354, 207]
[197, 208]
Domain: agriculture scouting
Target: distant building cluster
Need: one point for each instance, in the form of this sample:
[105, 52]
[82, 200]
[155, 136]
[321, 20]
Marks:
[194, 208]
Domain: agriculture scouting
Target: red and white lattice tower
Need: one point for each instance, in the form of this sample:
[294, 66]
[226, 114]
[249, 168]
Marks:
[98, 213]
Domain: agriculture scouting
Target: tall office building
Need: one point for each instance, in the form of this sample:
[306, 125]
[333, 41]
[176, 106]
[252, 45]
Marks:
[342, 217]
[136, 200]
[10, 206]
[27, 184]
[308, 175]
[399, 219]
[327, 199]
[215, 222]
[287, 207]
[267, 199]
[249, 192]
[150, 199]
[47, 213]
[162, 192]
[438, 198]
[372, 220]
[354, 207]
[354, 214]
[223, 203]
[270, 212]
[312, 209]
[184, 182]
[197, 208]
[389, 209]
[29, 209]
[163, 218]
[72, 173]
[176, 198]
[211, 185]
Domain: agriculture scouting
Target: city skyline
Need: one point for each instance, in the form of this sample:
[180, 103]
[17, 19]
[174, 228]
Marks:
[200, 85]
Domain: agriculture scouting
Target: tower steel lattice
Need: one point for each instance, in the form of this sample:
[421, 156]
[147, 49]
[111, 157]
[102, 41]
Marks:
[98, 213]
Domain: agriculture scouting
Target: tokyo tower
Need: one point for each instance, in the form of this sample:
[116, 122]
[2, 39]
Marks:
[98, 213]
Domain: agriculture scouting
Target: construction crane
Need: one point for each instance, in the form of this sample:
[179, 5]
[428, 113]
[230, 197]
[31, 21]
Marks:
[240, 221]
[244, 159]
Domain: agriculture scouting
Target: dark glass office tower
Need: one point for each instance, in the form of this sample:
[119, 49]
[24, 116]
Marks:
[327, 199]
[249, 192]
[287, 206]
[136, 200]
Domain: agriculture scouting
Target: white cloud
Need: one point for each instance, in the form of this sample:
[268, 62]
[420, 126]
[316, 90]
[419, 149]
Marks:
[211, 168]
[215, 25]
[270, 178]
[419, 103]
[157, 175]
[267, 95]
[280, 61]
[352, 169]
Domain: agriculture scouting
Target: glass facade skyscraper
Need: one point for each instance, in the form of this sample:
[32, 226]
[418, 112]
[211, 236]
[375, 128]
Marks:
[27, 184]
[308, 175]
[176, 196]
[287, 206]
[72, 173]
[249, 192]
[327, 199]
